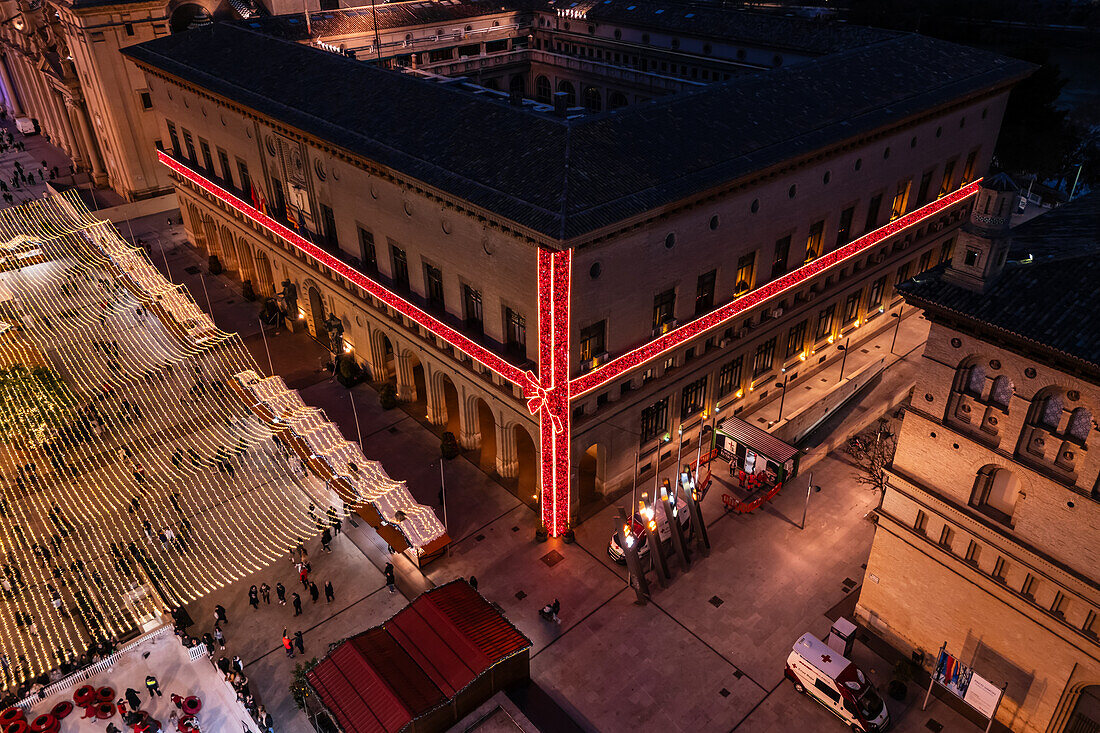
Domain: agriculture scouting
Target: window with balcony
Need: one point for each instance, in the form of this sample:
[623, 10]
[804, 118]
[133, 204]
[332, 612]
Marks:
[664, 306]
[729, 377]
[746, 270]
[825, 323]
[969, 173]
[902, 274]
[851, 307]
[779, 261]
[946, 183]
[923, 188]
[592, 340]
[692, 398]
[655, 420]
[947, 250]
[189, 144]
[796, 339]
[874, 295]
[471, 307]
[925, 262]
[175, 140]
[433, 287]
[516, 332]
[763, 359]
[328, 228]
[901, 199]
[246, 181]
[400, 263]
[367, 253]
[844, 227]
[704, 293]
[814, 240]
[873, 207]
[207, 158]
[223, 163]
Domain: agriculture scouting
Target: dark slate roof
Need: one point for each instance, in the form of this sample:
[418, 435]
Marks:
[355, 21]
[1050, 301]
[751, 29]
[564, 179]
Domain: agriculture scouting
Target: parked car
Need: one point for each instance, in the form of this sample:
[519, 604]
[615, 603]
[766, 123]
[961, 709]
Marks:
[615, 550]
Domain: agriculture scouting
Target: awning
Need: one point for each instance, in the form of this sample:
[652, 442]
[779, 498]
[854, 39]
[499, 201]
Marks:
[759, 440]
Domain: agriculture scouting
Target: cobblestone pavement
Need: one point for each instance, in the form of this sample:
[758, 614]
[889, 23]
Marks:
[706, 654]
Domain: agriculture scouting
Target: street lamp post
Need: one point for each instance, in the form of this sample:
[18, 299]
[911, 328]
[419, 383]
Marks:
[783, 394]
[270, 367]
[209, 307]
[844, 358]
[896, 329]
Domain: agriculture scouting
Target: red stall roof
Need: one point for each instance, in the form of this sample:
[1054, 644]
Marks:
[759, 440]
[381, 680]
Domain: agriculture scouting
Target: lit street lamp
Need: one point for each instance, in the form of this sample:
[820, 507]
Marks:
[844, 358]
[896, 329]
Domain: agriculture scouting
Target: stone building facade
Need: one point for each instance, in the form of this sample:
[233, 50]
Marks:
[447, 193]
[989, 529]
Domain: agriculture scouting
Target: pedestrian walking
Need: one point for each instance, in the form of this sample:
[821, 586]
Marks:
[254, 598]
[297, 600]
[238, 664]
[153, 686]
[219, 636]
[313, 592]
[288, 645]
[330, 594]
[391, 581]
[299, 642]
[132, 698]
[303, 574]
[267, 723]
[208, 640]
[280, 592]
[326, 540]
[219, 615]
[265, 593]
[473, 582]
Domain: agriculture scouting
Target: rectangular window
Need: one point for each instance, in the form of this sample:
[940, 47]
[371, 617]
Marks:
[367, 254]
[796, 337]
[400, 262]
[1000, 569]
[129, 27]
[813, 241]
[925, 261]
[779, 262]
[973, 552]
[1031, 584]
[1089, 627]
[654, 420]
[903, 274]
[947, 250]
[901, 199]
[1058, 607]
[279, 198]
[328, 227]
[872, 213]
[827, 690]
[844, 228]
[433, 285]
[189, 143]
[207, 160]
[922, 190]
[664, 306]
[851, 307]
[746, 269]
[159, 144]
[874, 296]
[471, 305]
[692, 397]
[729, 377]
[175, 139]
[246, 182]
[948, 178]
[825, 323]
[763, 358]
[968, 169]
[947, 537]
[592, 340]
[146, 100]
[921, 522]
[227, 172]
[516, 331]
[704, 293]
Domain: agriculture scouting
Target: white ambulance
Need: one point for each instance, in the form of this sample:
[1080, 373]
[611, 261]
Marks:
[835, 682]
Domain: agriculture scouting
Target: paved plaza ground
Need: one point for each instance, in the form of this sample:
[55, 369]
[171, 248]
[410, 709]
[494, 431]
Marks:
[704, 654]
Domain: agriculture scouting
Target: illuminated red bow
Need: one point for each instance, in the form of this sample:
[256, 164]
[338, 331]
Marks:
[538, 399]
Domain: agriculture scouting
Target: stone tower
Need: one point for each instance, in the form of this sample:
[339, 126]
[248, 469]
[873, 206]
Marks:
[983, 241]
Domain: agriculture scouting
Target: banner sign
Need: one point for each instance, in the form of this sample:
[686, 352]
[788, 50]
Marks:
[973, 689]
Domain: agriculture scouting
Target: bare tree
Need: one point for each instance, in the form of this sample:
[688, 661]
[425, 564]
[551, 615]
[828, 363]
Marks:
[873, 454]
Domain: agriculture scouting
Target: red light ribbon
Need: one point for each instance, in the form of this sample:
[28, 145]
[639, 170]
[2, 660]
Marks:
[538, 399]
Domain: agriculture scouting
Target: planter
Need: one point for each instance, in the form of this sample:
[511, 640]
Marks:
[896, 690]
[541, 534]
[569, 538]
[214, 264]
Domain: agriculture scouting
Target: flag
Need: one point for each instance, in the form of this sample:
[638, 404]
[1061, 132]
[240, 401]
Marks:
[291, 218]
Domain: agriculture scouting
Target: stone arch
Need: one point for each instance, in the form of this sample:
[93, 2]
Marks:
[518, 85]
[189, 14]
[481, 428]
[246, 262]
[593, 100]
[591, 473]
[229, 249]
[527, 462]
[316, 311]
[265, 281]
[1085, 715]
[542, 89]
[382, 356]
[996, 491]
[449, 405]
[616, 100]
[411, 386]
[212, 242]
